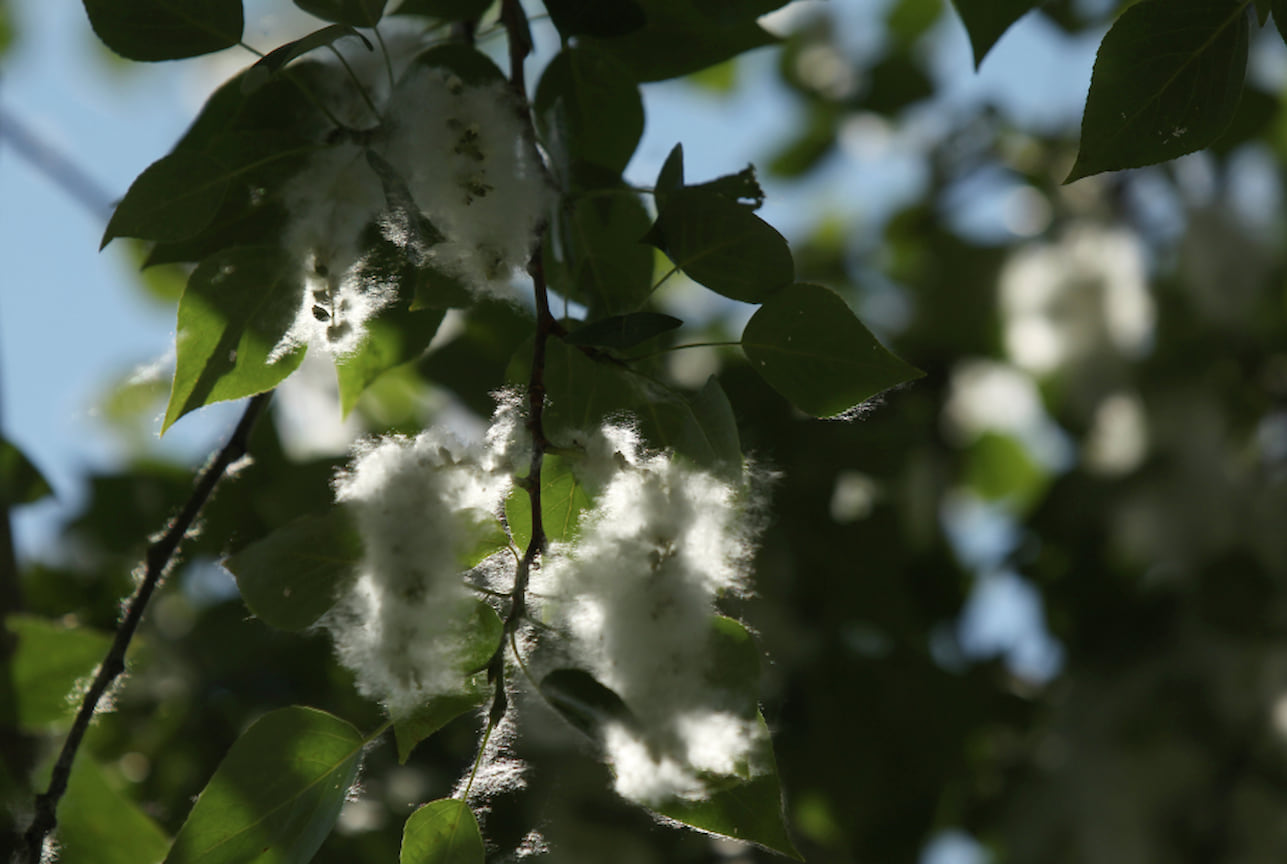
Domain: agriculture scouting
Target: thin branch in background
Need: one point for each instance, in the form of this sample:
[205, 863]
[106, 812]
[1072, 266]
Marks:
[56, 166]
[160, 555]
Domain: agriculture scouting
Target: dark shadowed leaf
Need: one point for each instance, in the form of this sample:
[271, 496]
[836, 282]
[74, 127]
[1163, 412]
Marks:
[623, 331]
[701, 427]
[600, 247]
[276, 794]
[47, 662]
[174, 198]
[20, 481]
[1279, 10]
[588, 110]
[446, 10]
[671, 176]
[683, 36]
[442, 832]
[166, 29]
[584, 702]
[986, 20]
[274, 61]
[291, 578]
[814, 351]
[237, 307]
[723, 245]
[355, 13]
[469, 64]
[1166, 82]
[563, 500]
[595, 17]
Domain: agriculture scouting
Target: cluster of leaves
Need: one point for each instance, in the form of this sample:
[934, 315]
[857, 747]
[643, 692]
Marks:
[959, 742]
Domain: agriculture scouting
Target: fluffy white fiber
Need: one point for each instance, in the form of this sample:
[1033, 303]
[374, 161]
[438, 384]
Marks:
[470, 169]
[636, 592]
[418, 504]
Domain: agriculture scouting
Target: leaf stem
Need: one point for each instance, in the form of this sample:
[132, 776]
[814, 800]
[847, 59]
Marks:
[159, 557]
[724, 344]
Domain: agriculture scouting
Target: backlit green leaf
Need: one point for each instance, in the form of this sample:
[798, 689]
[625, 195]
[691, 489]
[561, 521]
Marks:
[814, 351]
[442, 832]
[99, 824]
[166, 29]
[276, 794]
[237, 307]
[397, 335]
[563, 500]
[49, 659]
[723, 245]
[293, 576]
[1167, 81]
[986, 20]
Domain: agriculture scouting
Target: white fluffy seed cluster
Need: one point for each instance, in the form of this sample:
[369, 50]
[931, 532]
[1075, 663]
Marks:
[419, 504]
[636, 592]
[471, 171]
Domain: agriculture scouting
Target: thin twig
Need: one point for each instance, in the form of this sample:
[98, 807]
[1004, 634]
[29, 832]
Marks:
[159, 556]
[520, 45]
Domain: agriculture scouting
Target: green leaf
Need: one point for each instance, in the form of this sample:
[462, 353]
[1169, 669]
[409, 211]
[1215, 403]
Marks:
[1279, 10]
[563, 500]
[276, 794]
[999, 468]
[293, 576]
[744, 809]
[601, 251]
[355, 13]
[683, 36]
[404, 213]
[274, 61]
[470, 65]
[397, 335]
[588, 110]
[584, 702]
[237, 307]
[99, 824]
[445, 10]
[671, 176]
[1166, 82]
[595, 17]
[478, 636]
[702, 428]
[986, 20]
[47, 663]
[623, 331]
[723, 245]
[174, 198]
[20, 481]
[742, 187]
[166, 29]
[442, 832]
[812, 349]
[747, 806]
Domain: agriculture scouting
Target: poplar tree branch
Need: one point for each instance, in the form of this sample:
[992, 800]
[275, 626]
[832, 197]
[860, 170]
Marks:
[520, 45]
[159, 557]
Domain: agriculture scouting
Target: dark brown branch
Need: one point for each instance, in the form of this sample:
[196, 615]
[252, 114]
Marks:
[160, 554]
[520, 45]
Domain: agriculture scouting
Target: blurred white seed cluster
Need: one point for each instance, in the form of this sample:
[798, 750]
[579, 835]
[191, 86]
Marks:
[636, 593]
[470, 170]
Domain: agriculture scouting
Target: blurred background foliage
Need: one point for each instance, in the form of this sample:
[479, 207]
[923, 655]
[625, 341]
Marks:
[1031, 608]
